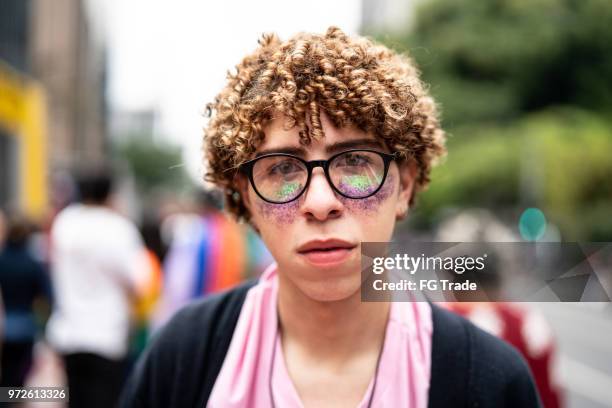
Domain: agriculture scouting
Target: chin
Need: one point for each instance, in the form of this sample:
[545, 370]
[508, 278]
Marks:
[331, 289]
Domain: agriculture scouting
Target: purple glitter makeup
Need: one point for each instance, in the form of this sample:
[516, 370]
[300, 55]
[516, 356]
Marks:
[280, 213]
[372, 203]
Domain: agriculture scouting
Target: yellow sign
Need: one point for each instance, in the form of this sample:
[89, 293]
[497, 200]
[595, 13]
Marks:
[11, 99]
[23, 116]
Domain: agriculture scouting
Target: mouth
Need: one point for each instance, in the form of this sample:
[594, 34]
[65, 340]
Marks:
[326, 252]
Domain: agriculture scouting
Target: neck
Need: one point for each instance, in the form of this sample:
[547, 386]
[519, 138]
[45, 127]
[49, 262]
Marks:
[334, 330]
[93, 203]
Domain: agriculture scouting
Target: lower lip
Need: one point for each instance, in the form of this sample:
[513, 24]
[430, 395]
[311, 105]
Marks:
[333, 257]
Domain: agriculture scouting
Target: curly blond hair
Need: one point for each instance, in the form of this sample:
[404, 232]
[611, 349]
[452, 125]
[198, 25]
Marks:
[354, 80]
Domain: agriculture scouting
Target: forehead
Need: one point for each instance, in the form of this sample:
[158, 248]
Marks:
[279, 139]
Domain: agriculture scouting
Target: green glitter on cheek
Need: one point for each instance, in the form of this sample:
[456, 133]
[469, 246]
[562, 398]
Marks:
[359, 181]
[288, 190]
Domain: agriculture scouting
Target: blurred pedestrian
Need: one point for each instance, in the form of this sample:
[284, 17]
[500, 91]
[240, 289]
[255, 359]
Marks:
[154, 251]
[2, 228]
[97, 270]
[521, 325]
[528, 331]
[23, 282]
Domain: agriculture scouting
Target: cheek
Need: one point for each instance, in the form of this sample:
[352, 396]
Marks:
[373, 203]
[279, 213]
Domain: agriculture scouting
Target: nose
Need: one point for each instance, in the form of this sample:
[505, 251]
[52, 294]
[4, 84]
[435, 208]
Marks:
[321, 202]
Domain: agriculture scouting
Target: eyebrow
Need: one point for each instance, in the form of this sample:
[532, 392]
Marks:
[330, 149]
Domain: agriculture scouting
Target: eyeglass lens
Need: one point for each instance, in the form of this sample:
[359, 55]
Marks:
[355, 174]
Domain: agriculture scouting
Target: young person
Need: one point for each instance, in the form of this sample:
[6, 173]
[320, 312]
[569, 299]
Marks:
[321, 142]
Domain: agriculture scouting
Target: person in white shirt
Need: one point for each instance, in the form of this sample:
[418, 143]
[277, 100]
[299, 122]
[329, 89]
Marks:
[97, 260]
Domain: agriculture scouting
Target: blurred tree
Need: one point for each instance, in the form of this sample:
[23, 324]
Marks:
[494, 59]
[568, 164]
[525, 88]
[156, 166]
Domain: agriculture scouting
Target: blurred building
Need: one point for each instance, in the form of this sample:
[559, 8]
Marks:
[52, 99]
[68, 56]
[23, 161]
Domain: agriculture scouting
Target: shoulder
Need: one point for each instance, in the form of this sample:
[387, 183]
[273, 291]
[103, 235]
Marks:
[183, 359]
[65, 216]
[114, 228]
[212, 312]
[473, 366]
[116, 220]
[103, 217]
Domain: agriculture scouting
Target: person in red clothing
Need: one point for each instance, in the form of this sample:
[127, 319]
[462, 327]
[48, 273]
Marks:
[518, 324]
[527, 330]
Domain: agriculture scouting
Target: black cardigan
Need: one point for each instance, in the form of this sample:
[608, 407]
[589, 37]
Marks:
[469, 368]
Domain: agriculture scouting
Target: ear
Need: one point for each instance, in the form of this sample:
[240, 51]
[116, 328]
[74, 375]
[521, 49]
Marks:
[407, 172]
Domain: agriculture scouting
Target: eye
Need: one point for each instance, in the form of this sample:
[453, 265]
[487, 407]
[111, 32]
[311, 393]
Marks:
[285, 168]
[353, 160]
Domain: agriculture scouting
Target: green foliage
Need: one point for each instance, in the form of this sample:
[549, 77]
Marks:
[155, 166]
[525, 89]
[482, 170]
[557, 160]
[494, 59]
[575, 151]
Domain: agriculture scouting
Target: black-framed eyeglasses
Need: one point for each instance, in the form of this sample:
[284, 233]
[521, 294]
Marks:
[280, 178]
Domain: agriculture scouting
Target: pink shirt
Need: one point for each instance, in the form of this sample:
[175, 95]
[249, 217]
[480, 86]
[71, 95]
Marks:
[244, 379]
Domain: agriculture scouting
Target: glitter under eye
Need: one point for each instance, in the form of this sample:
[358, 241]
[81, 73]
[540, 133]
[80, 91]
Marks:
[280, 213]
[357, 185]
[371, 203]
[287, 191]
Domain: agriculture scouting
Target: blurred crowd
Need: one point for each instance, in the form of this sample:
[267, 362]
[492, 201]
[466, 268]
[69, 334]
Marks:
[85, 291]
